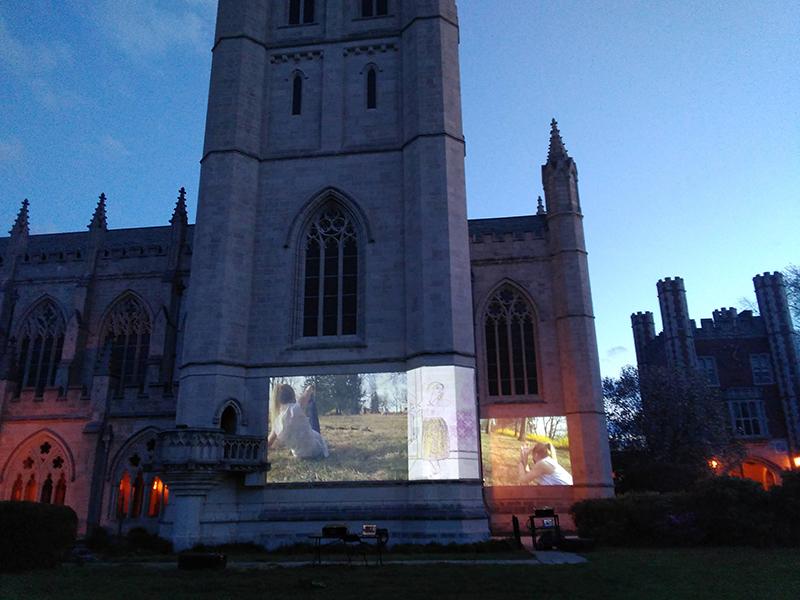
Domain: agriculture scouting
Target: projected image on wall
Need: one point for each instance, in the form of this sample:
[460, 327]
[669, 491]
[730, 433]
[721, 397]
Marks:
[526, 451]
[338, 428]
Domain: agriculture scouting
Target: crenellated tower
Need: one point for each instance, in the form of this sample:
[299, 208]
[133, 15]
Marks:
[644, 331]
[678, 328]
[774, 308]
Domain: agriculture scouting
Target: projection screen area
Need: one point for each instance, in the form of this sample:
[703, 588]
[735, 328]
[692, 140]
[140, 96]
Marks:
[415, 425]
[525, 451]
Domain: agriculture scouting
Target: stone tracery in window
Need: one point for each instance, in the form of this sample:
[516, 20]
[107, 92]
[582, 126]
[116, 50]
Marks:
[39, 473]
[127, 332]
[509, 341]
[41, 340]
[330, 302]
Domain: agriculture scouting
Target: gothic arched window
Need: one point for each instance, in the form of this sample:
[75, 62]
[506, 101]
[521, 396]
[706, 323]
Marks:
[127, 332]
[330, 301]
[297, 94]
[372, 88]
[38, 469]
[41, 340]
[510, 348]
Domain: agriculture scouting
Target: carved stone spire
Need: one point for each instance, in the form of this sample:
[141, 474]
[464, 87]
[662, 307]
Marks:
[540, 207]
[557, 151]
[99, 220]
[22, 223]
[179, 215]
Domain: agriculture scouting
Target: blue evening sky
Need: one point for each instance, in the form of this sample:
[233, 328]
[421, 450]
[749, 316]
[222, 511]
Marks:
[683, 117]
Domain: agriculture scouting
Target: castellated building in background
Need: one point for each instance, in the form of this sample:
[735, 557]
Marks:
[751, 359]
[332, 340]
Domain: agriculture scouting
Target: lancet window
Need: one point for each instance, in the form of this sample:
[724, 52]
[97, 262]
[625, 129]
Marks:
[41, 341]
[127, 335]
[509, 330]
[330, 303]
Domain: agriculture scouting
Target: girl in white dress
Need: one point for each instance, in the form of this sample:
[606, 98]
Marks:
[291, 427]
[545, 469]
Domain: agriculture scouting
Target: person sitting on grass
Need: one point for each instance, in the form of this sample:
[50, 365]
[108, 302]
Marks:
[308, 403]
[290, 426]
[545, 469]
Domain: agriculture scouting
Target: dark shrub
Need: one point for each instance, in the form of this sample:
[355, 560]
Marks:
[716, 511]
[141, 539]
[34, 535]
[635, 520]
[732, 511]
[784, 503]
[98, 539]
[637, 472]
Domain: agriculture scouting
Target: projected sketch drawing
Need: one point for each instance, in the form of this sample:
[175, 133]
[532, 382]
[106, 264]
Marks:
[435, 434]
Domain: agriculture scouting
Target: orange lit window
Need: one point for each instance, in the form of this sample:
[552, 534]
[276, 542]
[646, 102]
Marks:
[123, 496]
[16, 491]
[61, 491]
[158, 497]
[30, 489]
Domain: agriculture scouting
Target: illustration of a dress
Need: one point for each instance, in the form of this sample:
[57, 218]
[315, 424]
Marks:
[435, 434]
[435, 439]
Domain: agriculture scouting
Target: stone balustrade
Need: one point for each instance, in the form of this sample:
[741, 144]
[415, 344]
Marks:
[210, 449]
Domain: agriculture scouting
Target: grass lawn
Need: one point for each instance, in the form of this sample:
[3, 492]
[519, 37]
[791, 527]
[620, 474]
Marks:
[501, 458]
[362, 448]
[650, 574]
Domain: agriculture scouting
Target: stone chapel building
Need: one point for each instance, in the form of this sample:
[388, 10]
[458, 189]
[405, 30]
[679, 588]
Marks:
[331, 238]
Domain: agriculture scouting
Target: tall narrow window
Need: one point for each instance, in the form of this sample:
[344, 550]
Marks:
[510, 349]
[372, 88]
[61, 491]
[374, 8]
[123, 496]
[301, 11]
[330, 304]
[16, 491]
[30, 489]
[41, 342]
[308, 11]
[297, 94]
[158, 497]
[137, 496]
[47, 490]
[127, 332]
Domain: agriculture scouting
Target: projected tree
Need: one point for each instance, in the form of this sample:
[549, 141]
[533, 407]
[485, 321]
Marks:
[337, 394]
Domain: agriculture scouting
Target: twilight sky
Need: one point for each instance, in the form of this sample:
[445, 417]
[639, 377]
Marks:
[683, 117]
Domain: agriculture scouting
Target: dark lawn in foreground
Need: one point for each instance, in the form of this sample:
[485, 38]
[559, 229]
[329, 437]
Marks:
[642, 574]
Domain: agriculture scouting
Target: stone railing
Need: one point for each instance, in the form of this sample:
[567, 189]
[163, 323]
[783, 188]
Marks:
[210, 449]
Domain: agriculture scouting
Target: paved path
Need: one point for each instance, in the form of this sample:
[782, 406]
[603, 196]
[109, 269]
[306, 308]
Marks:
[540, 558]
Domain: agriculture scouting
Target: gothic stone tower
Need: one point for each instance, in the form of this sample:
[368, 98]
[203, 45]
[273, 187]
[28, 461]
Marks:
[327, 119]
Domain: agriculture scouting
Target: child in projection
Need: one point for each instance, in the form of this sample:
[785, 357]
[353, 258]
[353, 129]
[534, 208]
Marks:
[308, 403]
[291, 428]
[435, 435]
[545, 469]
